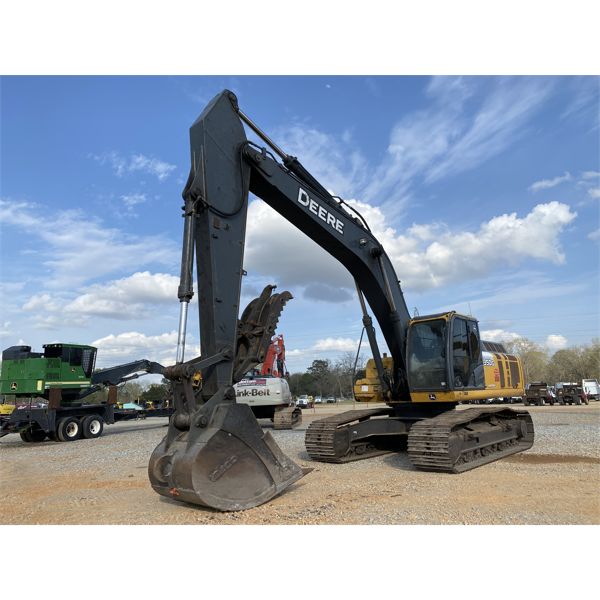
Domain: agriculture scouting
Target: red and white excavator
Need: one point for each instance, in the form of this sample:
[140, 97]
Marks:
[266, 391]
[274, 363]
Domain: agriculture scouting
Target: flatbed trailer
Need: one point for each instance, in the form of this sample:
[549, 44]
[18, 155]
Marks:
[69, 423]
[54, 386]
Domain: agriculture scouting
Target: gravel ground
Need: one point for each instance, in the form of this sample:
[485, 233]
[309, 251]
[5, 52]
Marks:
[105, 481]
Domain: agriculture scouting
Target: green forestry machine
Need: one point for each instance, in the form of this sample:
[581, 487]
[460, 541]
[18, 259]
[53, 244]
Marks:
[50, 388]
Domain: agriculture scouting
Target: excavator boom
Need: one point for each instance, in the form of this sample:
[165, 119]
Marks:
[214, 453]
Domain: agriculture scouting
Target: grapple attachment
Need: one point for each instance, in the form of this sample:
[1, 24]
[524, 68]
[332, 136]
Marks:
[229, 464]
[215, 453]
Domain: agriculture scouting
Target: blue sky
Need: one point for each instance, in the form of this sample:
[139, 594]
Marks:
[484, 191]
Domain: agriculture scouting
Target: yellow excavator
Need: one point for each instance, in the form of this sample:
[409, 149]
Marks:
[214, 453]
[502, 375]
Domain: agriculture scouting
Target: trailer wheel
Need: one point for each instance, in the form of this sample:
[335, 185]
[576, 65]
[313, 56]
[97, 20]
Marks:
[68, 429]
[38, 435]
[26, 435]
[30, 435]
[92, 426]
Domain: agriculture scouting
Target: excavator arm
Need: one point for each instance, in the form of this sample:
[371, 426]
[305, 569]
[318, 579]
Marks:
[113, 376]
[125, 372]
[225, 167]
[214, 453]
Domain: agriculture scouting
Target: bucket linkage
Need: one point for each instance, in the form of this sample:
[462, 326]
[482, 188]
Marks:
[215, 453]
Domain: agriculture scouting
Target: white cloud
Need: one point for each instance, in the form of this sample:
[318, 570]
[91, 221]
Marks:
[427, 256]
[131, 200]
[590, 175]
[499, 335]
[135, 163]
[460, 130]
[583, 99]
[56, 322]
[588, 181]
[594, 235]
[498, 122]
[5, 329]
[10, 288]
[126, 298]
[498, 292]
[556, 342]
[335, 344]
[295, 352]
[79, 248]
[297, 357]
[42, 303]
[133, 345]
[275, 248]
[545, 184]
[334, 161]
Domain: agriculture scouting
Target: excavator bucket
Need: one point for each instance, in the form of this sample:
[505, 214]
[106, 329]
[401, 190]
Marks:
[215, 453]
[229, 465]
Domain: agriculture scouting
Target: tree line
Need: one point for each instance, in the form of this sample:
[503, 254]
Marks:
[133, 392]
[325, 377]
[569, 365]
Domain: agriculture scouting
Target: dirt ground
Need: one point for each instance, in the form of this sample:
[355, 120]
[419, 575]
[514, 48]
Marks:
[105, 481]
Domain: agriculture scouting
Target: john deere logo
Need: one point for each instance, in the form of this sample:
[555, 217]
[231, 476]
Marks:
[432, 396]
[13, 385]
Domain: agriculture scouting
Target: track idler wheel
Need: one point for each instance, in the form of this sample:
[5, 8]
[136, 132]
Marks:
[224, 461]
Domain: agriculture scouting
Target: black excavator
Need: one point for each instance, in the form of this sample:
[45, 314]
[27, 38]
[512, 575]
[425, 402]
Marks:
[215, 454]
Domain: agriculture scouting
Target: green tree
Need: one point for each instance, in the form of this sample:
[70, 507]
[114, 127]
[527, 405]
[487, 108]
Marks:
[155, 394]
[302, 383]
[129, 392]
[322, 375]
[575, 364]
[533, 356]
[97, 397]
[343, 373]
[590, 358]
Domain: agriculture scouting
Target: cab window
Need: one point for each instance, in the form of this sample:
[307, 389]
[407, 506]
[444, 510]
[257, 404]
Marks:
[427, 355]
[76, 357]
[467, 367]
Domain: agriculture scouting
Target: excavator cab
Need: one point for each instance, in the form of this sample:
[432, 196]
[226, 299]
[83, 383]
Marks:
[444, 355]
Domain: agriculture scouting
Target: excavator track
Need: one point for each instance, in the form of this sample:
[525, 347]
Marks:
[286, 417]
[328, 440]
[460, 440]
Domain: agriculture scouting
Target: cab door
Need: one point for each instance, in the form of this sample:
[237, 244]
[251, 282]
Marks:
[466, 362]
